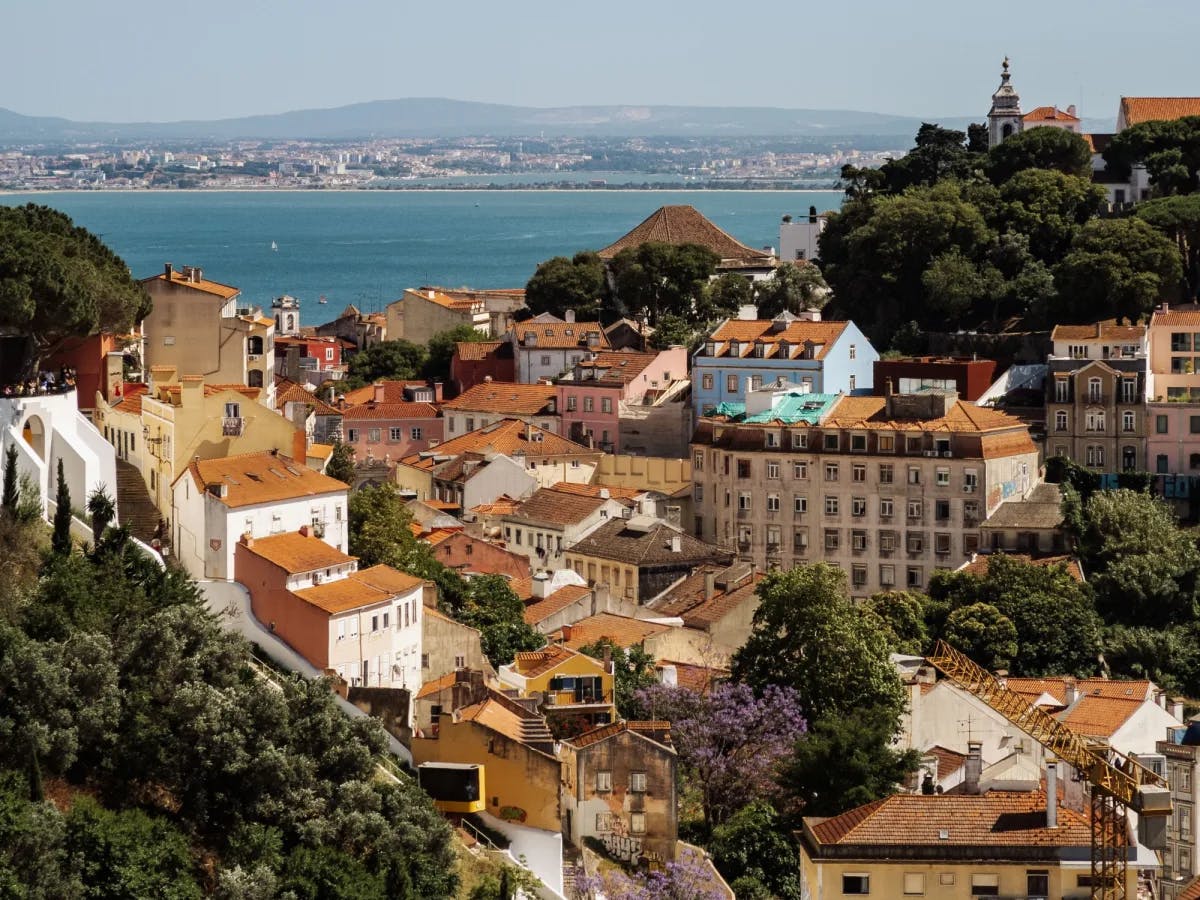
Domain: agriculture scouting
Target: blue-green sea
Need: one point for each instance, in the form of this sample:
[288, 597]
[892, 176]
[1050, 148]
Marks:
[366, 247]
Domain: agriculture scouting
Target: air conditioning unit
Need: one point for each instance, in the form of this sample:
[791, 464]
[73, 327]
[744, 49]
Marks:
[931, 453]
[947, 454]
[968, 488]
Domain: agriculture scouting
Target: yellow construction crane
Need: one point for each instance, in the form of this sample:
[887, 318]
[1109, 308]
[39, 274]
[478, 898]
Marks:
[1118, 783]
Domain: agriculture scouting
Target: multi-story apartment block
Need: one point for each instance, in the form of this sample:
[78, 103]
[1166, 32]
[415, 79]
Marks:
[420, 314]
[745, 354]
[493, 401]
[1095, 395]
[1181, 766]
[546, 346]
[966, 376]
[889, 488]
[200, 327]
[1173, 392]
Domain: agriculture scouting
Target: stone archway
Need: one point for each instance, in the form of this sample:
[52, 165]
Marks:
[34, 434]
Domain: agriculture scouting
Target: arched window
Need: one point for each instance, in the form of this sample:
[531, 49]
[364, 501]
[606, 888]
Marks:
[1060, 420]
[254, 378]
[1006, 131]
[1127, 420]
[1094, 390]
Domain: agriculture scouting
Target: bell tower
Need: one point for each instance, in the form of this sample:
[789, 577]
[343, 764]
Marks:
[1004, 118]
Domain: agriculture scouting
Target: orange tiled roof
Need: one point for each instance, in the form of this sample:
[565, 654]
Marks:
[456, 300]
[499, 714]
[1048, 114]
[287, 391]
[534, 663]
[596, 490]
[541, 610]
[393, 392]
[1191, 891]
[998, 446]
[979, 565]
[621, 630]
[685, 225]
[798, 332]
[385, 578]
[265, 477]
[1189, 316]
[551, 507]
[294, 552]
[130, 400]
[1135, 110]
[1107, 330]
[342, 595]
[429, 688]
[504, 398]
[871, 412]
[320, 451]
[474, 351]
[559, 335]
[687, 601]
[618, 366]
[647, 729]
[438, 535]
[501, 506]
[522, 587]
[223, 291]
[1099, 716]
[383, 411]
[1056, 687]
[508, 437]
[997, 818]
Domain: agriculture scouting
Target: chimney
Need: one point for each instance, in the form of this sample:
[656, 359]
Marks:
[1051, 792]
[676, 543]
[248, 540]
[300, 446]
[437, 391]
[605, 493]
[710, 584]
[379, 393]
[303, 531]
[812, 215]
[973, 768]
[539, 585]
[432, 293]
[1177, 708]
[197, 274]
[191, 392]
[669, 675]
[566, 633]
[168, 270]
[1071, 110]
[1070, 691]
[569, 315]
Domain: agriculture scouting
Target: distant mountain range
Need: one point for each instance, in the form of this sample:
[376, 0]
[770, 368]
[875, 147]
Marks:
[435, 117]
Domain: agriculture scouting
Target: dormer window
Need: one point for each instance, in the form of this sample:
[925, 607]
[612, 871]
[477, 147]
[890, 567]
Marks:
[735, 349]
[710, 348]
[785, 350]
[760, 349]
[569, 332]
[531, 338]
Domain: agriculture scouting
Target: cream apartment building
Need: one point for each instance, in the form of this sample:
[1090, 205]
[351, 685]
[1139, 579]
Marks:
[889, 488]
[420, 314]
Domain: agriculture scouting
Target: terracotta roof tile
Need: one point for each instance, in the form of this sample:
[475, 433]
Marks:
[429, 688]
[287, 391]
[541, 610]
[393, 392]
[224, 291]
[1099, 716]
[979, 565]
[597, 490]
[616, 366]
[534, 663]
[505, 398]
[455, 301]
[700, 679]
[508, 437]
[1135, 110]
[687, 601]
[130, 400]
[623, 631]
[383, 411]
[686, 225]
[871, 413]
[994, 819]
[559, 335]
[294, 552]
[551, 507]
[998, 446]
[342, 595]
[474, 351]
[626, 541]
[797, 333]
[1107, 330]
[385, 578]
[266, 477]
[501, 506]
[1175, 317]
[1191, 891]
[1056, 687]
[1048, 114]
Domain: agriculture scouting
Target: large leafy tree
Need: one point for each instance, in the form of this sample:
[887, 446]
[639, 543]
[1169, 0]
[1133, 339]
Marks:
[1179, 219]
[633, 670]
[1040, 148]
[752, 852]
[983, 633]
[59, 281]
[902, 614]
[441, 349]
[390, 361]
[1049, 207]
[498, 614]
[808, 635]
[1117, 268]
[793, 288]
[730, 743]
[562, 284]
[938, 153]
[656, 279]
[723, 296]
[1170, 151]
[341, 463]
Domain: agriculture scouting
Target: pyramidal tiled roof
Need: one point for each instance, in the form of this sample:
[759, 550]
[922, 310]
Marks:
[686, 225]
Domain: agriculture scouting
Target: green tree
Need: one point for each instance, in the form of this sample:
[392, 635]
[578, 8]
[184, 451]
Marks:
[326, 873]
[954, 285]
[35, 859]
[441, 349]
[1048, 207]
[794, 288]
[938, 153]
[59, 281]
[983, 633]
[674, 330]
[1117, 268]
[130, 854]
[845, 761]
[341, 463]
[397, 360]
[751, 847]
[101, 511]
[1144, 569]
[61, 539]
[12, 493]
[656, 279]
[723, 296]
[1170, 151]
[1040, 148]
[1179, 219]
[494, 609]
[633, 670]
[808, 635]
[903, 615]
[562, 284]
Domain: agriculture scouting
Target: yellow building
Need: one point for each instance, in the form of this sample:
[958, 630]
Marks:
[950, 847]
[162, 429]
[568, 685]
[515, 748]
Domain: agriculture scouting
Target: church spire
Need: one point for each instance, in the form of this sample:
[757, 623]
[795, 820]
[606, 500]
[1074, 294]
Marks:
[1004, 118]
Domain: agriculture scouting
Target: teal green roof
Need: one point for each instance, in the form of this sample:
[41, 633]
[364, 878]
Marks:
[790, 408]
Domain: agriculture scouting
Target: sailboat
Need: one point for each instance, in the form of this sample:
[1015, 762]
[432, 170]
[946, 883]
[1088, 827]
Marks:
[274, 246]
[322, 299]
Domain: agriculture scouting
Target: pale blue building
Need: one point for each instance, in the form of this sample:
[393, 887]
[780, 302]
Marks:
[809, 355]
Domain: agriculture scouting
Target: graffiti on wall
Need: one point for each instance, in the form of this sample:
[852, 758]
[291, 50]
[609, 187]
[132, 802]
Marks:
[623, 847]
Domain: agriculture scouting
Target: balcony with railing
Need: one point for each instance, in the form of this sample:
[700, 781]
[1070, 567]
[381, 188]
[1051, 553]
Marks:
[232, 426]
[560, 699]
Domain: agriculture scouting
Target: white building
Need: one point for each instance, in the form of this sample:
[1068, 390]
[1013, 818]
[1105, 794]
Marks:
[547, 346]
[216, 501]
[799, 238]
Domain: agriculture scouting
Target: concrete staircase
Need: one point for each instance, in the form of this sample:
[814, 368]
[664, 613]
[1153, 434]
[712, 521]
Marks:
[135, 509]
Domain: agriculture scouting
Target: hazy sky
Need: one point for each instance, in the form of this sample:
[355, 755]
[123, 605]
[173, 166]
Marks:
[140, 60]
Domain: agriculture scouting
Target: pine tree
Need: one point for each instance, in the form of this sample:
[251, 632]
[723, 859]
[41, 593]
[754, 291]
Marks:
[12, 493]
[61, 539]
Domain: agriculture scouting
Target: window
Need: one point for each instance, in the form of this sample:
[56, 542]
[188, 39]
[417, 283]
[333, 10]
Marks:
[395, 434]
[914, 475]
[233, 410]
[328, 354]
[858, 507]
[1194, 424]
[800, 539]
[706, 381]
[887, 541]
[887, 576]
[853, 352]
[914, 883]
[916, 542]
[772, 439]
[886, 508]
[772, 503]
[856, 884]
[799, 505]
[743, 468]
[831, 471]
[373, 435]
[941, 544]
[1094, 420]
[637, 823]
[637, 782]
[943, 477]
[1062, 390]
[970, 480]
[887, 473]
[1161, 464]
[353, 626]
[731, 384]
[698, 461]
[941, 510]
[858, 443]
[887, 443]
[946, 878]
[799, 469]
[744, 500]
[698, 493]
[1160, 425]
[545, 360]
[1181, 342]
[1129, 390]
[914, 576]
[858, 473]
[831, 539]
[831, 441]
[1095, 455]
[912, 444]
[914, 509]
[606, 404]
[772, 468]
[1127, 420]
[572, 404]
[374, 624]
[985, 885]
[415, 434]
[799, 440]
[1060, 420]
[589, 404]
[858, 575]
[858, 541]
[831, 506]
[604, 781]
[1094, 390]
[341, 629]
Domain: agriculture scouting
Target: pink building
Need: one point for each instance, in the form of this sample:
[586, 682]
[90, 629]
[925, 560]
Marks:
[591, 397]
[1173, 392]
[384, 429]
[309, 359]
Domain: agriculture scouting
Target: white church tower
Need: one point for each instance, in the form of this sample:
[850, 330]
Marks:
[1004, 119]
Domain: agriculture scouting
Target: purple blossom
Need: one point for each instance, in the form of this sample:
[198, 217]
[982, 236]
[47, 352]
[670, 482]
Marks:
[729, 741]
[690, 877]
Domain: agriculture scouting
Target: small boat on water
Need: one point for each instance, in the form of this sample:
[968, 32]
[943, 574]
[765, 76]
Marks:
[274, 246]
[322, 299]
